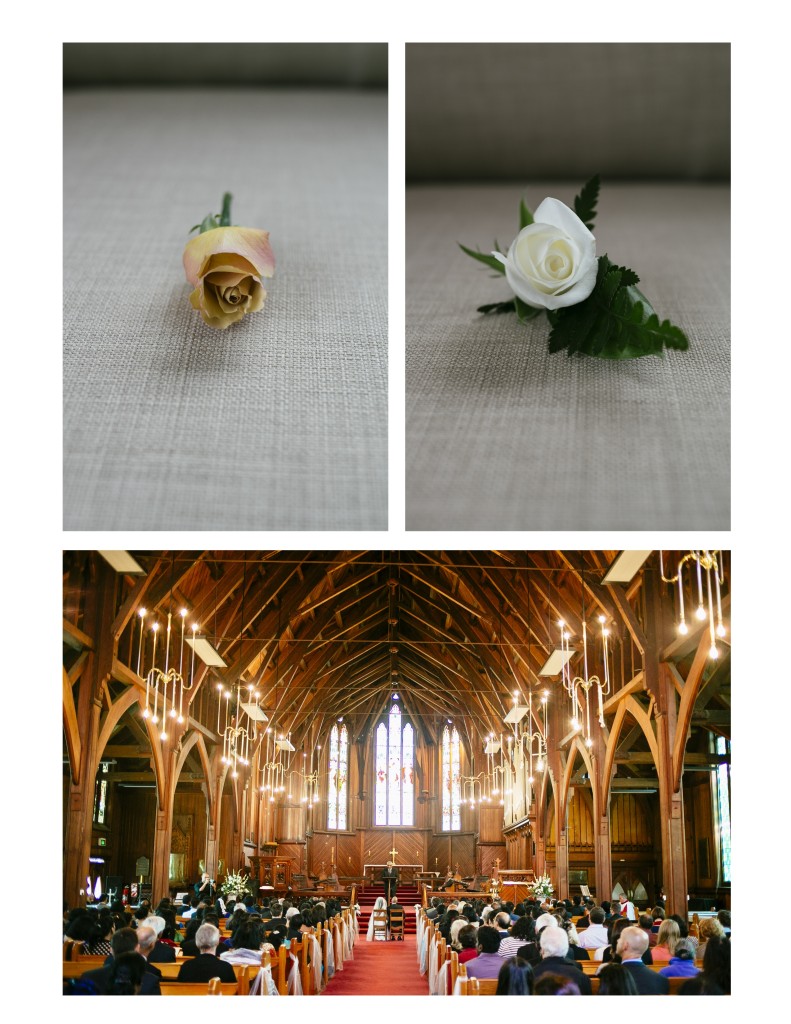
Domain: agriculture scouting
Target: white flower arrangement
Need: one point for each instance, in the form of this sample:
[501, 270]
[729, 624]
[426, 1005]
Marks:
[236, 884]
[542, 887]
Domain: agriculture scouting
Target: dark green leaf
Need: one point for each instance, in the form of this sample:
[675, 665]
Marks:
[484, 257]
[585, 202]
[525, 312]
[193, 228]
[525, 216]
[498, 307]
[616, 321]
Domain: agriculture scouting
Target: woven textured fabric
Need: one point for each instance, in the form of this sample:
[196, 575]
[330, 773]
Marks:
[499, 111]
[502, 435]
[280, 421]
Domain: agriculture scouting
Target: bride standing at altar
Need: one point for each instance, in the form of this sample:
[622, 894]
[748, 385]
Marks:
[379, 905]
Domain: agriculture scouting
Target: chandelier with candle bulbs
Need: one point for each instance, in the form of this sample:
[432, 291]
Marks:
[698, 564]
[166, 686]
[579, 687]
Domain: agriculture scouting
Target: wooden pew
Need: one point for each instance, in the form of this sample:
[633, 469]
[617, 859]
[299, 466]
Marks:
[215, 987]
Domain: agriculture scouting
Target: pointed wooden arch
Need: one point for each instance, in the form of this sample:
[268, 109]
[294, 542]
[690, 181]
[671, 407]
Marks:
[629, 705]
[689, 695]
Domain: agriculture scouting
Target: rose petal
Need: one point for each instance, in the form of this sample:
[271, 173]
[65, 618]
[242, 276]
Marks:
[250, 243]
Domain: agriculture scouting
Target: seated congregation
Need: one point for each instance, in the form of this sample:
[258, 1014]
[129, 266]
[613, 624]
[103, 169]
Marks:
[206, 947]
[571, 948]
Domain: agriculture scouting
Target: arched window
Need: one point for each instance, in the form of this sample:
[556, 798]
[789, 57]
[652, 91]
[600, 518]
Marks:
[338, 777]
[395, 771]
[451, 780]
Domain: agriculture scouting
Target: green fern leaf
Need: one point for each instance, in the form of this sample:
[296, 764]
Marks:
[585, 202]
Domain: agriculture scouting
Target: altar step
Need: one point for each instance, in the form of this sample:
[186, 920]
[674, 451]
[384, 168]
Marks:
[408, 896]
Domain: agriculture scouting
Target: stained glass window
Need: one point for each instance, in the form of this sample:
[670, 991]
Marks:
[394, 802]
[338, 777]
[451, 780]
[724, 803]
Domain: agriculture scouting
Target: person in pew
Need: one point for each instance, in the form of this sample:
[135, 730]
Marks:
[615, 980]
[632, 944]
[615, 926]
[126, 940]
[595, 935]
[554, 944]
[206, 965]
[682, 962]
[683, 930]
[715, 978]
[724, 917]
[248, 947]
[395, 905]
[521, 932]
[576, 952]
[515, 978]
[161, 952]
[555, 985]
[488, 963]
[531, 951]
[468, 943]
[127, 976]
[666, 940]
[709, 927]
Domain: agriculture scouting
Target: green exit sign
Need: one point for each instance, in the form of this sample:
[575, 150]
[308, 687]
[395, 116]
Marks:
[102, 842]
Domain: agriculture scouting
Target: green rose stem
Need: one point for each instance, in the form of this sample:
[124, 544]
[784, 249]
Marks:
[211, 220]
[225, 216]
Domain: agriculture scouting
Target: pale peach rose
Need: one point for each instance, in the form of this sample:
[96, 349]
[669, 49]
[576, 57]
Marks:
[225, 266]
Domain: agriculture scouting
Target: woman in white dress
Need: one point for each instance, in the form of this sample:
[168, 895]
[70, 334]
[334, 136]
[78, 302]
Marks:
[379, 905]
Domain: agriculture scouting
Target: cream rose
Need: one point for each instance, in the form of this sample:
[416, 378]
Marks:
[552, 262]
[225, 266]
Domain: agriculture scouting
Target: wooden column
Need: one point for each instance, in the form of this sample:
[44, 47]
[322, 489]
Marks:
[601, 819]
[556, 766]
[671, 802]
[99, 613]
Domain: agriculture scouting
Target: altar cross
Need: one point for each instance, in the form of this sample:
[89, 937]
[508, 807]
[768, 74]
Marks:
[393, 853]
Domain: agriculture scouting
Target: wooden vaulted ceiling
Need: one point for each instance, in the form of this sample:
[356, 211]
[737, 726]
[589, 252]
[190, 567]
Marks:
[328, 634]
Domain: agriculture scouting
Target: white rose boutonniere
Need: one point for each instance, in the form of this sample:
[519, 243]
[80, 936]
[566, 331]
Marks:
[593, 306]
[552, 262]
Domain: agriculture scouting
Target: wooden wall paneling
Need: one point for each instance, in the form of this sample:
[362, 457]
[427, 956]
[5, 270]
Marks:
[136, 817]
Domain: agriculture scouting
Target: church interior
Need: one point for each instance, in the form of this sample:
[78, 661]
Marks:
[484, 720]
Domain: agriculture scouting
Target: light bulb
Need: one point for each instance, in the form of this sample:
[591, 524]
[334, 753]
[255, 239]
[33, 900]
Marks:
[531, 780]
[700, 613]
[234, 775]
[145, 713]
[155, 719]
[180, 719]
[172, 712]
[683, 628]
[575, 724]
[163, 735]
[721, 631]
[589, 742]
[713, 652]
[142, 613]
[183, 613]
[540, 766]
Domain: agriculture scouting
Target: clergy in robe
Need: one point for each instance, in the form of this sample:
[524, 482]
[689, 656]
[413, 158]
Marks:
[390, 879]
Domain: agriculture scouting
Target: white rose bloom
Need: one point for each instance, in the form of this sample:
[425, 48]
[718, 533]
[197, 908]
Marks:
[552, 262]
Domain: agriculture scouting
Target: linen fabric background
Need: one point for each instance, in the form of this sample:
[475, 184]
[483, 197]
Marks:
[280, 421]
[501, 435]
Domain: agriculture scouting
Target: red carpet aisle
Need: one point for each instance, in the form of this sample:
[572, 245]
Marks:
[380, 969]
[408, 896]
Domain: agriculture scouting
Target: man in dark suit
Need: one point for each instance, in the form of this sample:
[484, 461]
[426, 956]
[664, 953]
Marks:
[632, 943]
[554, 944]
[126, 940]
[395, 905]
[206, 965]
[390, 879]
